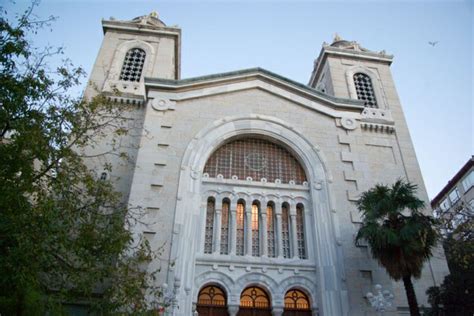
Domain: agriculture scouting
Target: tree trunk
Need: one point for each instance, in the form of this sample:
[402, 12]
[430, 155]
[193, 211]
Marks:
[411, 297]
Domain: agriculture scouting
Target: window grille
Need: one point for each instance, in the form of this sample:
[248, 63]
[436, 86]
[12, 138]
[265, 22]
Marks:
[240, 230]
[211, 207]
[270, 231]
[212, 296]
[255, 158]
[255, 231]
[254, 297]
[365, 90]
[225, 228]
[133, 65]
[285, 234]
[300, 231]
[296, 300]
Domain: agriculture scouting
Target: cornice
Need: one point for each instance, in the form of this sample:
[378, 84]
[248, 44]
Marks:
[263, 75]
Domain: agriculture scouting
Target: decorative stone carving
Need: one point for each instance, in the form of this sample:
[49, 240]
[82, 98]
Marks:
[162, 104]
[349, 123]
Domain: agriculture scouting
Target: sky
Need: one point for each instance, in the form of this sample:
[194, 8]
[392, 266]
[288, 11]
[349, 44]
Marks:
[434, 83]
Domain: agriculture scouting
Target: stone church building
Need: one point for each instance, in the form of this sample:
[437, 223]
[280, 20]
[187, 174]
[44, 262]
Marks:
[247, 179]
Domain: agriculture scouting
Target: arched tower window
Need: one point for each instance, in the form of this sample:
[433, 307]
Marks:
[240, 228]
[225, 227]
[133, 65]
[365, 90]
[300, 231]
[211, 208]
[285, 232]
[296, 300]
[255, 229]
[271, 230]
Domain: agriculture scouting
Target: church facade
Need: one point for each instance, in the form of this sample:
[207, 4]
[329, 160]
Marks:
[247, 179]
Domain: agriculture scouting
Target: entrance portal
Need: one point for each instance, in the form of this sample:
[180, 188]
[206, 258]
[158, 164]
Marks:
[254, 301]
[296, 304]
[212, 301]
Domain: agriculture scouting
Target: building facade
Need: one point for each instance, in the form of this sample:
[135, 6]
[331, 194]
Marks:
[247, 179]
[456, 200]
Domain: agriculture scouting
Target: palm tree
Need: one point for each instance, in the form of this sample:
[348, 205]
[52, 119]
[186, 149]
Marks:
[400, 237]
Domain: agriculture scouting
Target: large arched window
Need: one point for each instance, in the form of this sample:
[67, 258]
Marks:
[133, 65]
[255, 158]
[365, 90]
[211, 207]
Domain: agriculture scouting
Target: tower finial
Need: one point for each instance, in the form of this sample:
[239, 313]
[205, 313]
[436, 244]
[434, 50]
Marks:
[154, 14]
[336, 38]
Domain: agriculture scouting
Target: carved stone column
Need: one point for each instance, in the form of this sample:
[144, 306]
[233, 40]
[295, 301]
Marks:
[248, 229]
[217, 231]
[233, 227]
[279, 230]
[277, 311]
[233, 310]
[263, 227]
[294, 235]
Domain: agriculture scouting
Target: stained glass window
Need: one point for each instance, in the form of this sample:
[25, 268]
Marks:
[270, 231]
[300, 231]
[365, 90]
[225, 228]
[285, 233]
[296, 300]
[255, 231]
[240, 229]
[211, 207]
[255, 158]
[133, 65]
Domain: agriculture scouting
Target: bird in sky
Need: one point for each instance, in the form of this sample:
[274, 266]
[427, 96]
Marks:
[433, 43]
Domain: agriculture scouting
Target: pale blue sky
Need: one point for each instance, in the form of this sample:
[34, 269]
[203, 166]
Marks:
[435, 84]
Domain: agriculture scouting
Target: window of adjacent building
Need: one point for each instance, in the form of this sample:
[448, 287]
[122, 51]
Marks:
[468, 181]
[133, 65]
[365, 90]
[444, 206]
[454, 196]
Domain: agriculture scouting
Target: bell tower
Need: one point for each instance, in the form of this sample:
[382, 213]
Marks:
[131, 51]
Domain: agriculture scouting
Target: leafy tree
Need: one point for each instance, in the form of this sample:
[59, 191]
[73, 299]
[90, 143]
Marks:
[455, 296]
[63, 235]
[400, 237]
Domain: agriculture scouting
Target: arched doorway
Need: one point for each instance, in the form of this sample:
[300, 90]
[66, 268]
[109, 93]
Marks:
[254, 301]
[212, 301]
[296, 304]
